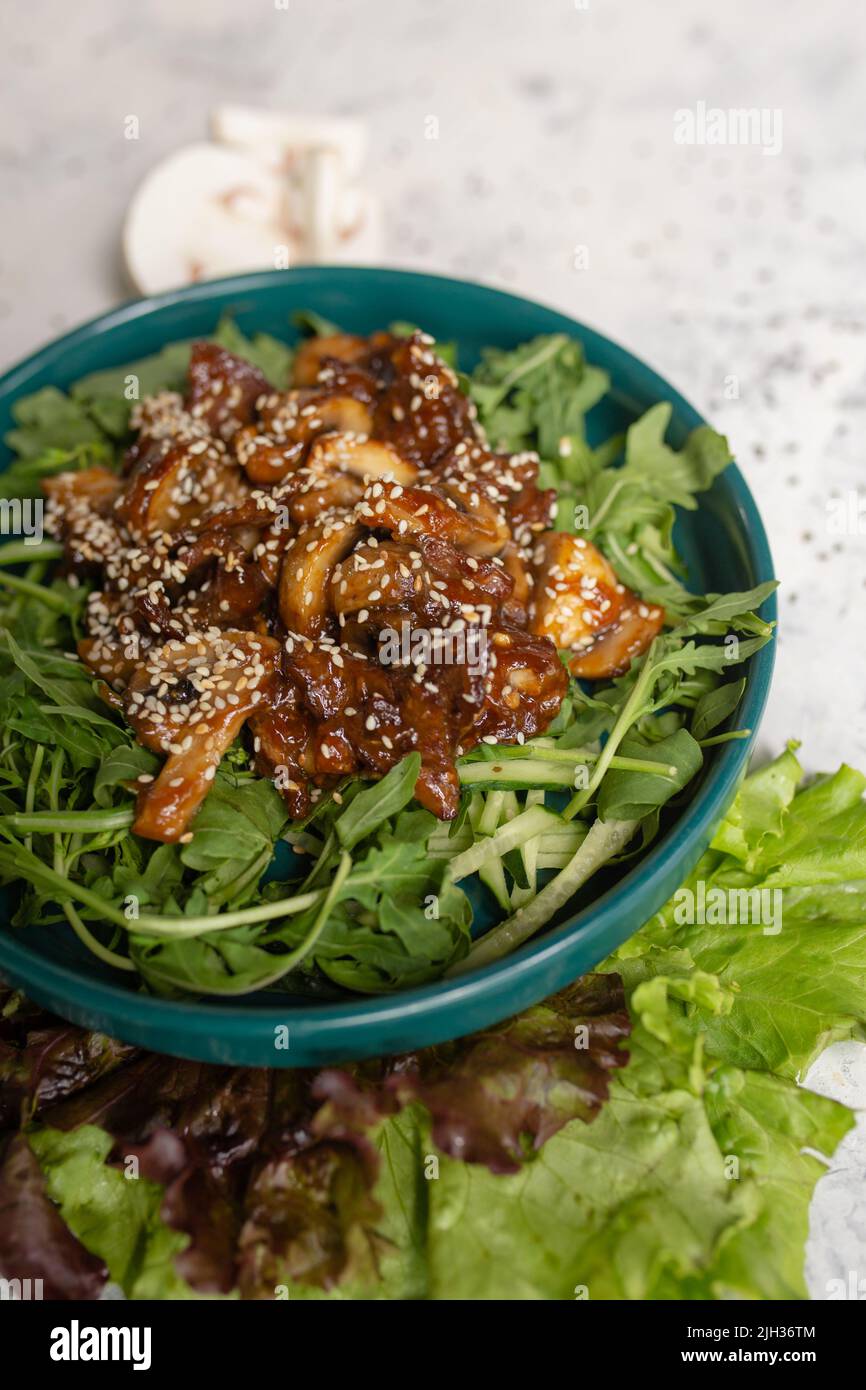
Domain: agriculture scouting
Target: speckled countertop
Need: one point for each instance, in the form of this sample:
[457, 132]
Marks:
[737, 273]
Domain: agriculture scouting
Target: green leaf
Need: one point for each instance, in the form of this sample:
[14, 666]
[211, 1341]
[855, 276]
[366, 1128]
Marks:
[632, 795]
[50, 420]
[639, 1204]
[373, 806]
[777, 912]
[714, 707]
[115, 1217]
[273, 358]
[536, 395]
[109, 396]
[759, 809]
[123, 764]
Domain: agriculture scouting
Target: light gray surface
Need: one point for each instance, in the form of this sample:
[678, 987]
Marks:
[556, 132]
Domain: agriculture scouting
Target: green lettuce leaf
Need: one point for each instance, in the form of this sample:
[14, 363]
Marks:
[789, 863]
[690, 1175]
[114, 1216]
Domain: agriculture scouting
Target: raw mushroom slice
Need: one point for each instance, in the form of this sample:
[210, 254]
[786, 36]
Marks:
[189, 700]
[321, 158]
[283, 136]
[203, 212]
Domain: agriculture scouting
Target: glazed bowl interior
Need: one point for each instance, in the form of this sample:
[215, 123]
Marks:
[724, 546]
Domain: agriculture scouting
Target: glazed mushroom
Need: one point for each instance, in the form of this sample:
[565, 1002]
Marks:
[308, 564]
[189, 700]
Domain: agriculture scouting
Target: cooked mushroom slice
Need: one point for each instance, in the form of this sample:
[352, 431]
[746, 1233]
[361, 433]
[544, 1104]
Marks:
[80, 512]
[375, 576]
[161, 420]
[168, 491]
[222, 389]
[576, 593]
[612, 653]
[525, 686]
[311, 355]
[189, 700]
[265, 459]
[422, 410]
[305, 574]
[530, 511]
[486, 513]
[517, 604]
[438, 785]
[283, 745]
[278, 444]
[89, 489]
[365, 458]
[303, 413]
[112, 661]
[473, 587]
[336, 493]
[423, 510]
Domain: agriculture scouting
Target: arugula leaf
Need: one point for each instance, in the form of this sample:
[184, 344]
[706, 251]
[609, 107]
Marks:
[371, 807]
[233, 840]
[123, 764]
[665, 473]
[24, 475]
[50, 422]
[536, 395]
[633, 795]
[714, 707]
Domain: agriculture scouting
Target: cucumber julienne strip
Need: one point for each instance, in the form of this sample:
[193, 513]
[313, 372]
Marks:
[511, 835]
[605, 839]
[517, 774]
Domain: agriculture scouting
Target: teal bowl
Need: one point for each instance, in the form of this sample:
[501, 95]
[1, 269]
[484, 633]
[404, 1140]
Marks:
[724, 546]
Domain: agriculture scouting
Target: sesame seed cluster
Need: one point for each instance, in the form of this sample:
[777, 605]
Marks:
[344, 571]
